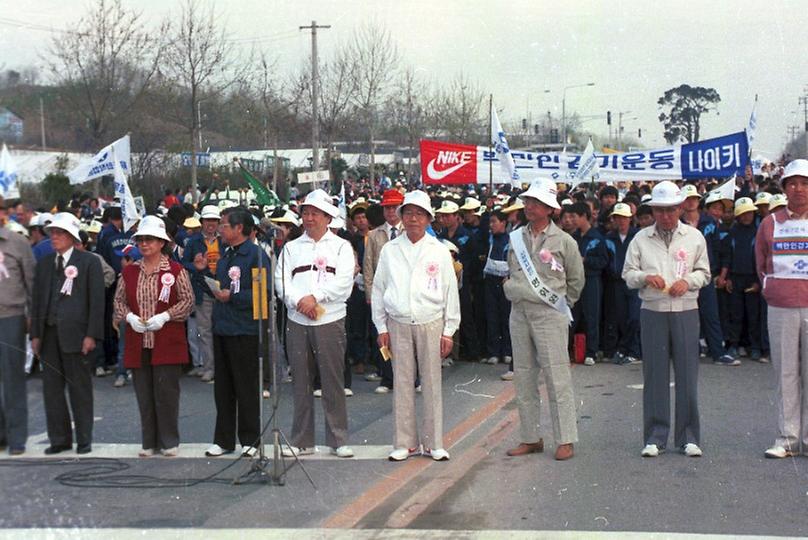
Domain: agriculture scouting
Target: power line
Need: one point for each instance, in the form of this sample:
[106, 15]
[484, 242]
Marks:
[26, 25]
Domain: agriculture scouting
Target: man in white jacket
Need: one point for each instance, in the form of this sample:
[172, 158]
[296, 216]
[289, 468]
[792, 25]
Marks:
[416, 309]
[314, 278]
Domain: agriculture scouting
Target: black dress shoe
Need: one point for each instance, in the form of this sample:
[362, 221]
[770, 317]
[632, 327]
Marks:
[56, 448]
[84, 449]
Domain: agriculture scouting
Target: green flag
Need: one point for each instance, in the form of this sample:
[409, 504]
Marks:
[263, 195]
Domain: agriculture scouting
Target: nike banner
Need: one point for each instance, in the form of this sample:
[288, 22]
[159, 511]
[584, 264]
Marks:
[721, 157]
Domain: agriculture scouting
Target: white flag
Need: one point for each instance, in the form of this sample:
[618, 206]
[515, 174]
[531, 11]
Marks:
[728, 189]
[129, 210]
[588, 168]
[752, 127]
[503, 151]
[343, 211]
[101, 164]
[8, 175]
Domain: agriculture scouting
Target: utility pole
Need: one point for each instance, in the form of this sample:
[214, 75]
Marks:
[315, 84]
[42, 121]
[804, 102]
[792, 132]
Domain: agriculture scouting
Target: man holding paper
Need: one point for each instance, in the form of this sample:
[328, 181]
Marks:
[546, 279]
[668, 263]
[314, 277]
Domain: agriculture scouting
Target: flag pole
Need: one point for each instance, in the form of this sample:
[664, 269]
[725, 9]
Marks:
[490, 148]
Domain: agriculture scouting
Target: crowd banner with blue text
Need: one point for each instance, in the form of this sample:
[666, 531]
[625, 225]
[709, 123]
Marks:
[8, 175]
[101, 164]
[129, 211]
[501, 148]
[721, 157]
[589, 169]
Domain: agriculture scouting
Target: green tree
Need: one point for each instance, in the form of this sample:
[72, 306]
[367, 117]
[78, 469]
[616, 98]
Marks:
[56, 188]
[685, 104]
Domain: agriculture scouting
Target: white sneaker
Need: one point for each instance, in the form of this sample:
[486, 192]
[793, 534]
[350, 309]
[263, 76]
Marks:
[100, 372]
[145, 452]
[265, 394]
[418, 389]
[438, 454]
[373, 377]
[214, 450]
[343, 452]
[292, 451]
[348, 392]
[507, 376]
[318, 393]
[170, 452]
[692, 450]
[400, 454]
[507, 359]
[249, 451]
[589, 361]
[447, 362]
[381, 389]
[493, 360]
[778, 452]
[120, 381]
[650, 450]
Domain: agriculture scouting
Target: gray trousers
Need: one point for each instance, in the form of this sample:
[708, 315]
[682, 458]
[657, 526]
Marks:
[788, 339]
[193, 341]
[670, 336]
[539, 336]
[204, 324]
[157, 389]
[13, 396]
[74, 370]
[408, 342]
[321, 347]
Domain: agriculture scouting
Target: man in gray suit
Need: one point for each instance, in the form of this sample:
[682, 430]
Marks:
[68, 318]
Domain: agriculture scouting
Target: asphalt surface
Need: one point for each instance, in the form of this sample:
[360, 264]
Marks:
[606, 487]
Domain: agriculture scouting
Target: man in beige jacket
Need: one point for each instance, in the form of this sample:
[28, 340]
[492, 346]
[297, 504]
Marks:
[546, 279]
[668, 263]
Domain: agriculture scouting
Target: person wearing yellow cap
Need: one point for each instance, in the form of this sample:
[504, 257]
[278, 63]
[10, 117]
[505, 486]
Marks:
[690, 205]
[742, 284]
[762, 202]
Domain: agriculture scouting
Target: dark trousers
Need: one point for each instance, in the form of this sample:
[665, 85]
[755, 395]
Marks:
[236, 390]
[356, 326]
[587, 313]
[498, 311]
[13, 395]
[622, 316]
[110, 348]
[710, 321]
[157, 389]
[764, 325]
[744, 306]
[670, 336]
[319, 347]
[60, 369]
[479, 308]
[385, 368]
[469, 340]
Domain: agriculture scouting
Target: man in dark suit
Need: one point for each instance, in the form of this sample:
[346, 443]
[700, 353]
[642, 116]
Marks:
[68, 318]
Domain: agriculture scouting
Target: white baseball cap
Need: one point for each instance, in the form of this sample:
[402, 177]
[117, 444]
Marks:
[689, 190]
[421, 200]
[778, 200]
[471, 204]
[447, 207]
[67, 222]
[798, 167]
[764, 197]
[321, 200]
[543, 191]
[152, 226]
[210, 212]
[621, 209]
[665, 194]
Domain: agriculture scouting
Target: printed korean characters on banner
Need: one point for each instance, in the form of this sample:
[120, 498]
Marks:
[450, 163]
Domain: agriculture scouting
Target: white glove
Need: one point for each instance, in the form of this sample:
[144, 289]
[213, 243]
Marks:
[156, 323]
[135, 322]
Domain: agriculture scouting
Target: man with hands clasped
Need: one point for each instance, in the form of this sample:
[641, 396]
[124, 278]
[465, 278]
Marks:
[668, 263]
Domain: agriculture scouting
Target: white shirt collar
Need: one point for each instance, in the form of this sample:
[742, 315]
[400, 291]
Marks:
[65, 257]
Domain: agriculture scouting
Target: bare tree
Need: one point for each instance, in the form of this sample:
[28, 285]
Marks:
[458, 110]
[105, 66]
[374, 59]
[408, 112]
[199, 60]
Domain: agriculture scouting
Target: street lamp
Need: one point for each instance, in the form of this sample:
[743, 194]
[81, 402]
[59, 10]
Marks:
[564, 108]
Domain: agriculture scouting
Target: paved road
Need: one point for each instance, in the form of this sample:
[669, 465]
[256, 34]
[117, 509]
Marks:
[606, 487]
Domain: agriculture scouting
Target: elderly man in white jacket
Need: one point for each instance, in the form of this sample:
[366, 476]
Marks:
[314, 278]
[416, 309]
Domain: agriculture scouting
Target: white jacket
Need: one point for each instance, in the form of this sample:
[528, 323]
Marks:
[415, 284]
[324, 269]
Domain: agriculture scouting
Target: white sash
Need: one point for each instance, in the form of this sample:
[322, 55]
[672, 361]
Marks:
[545, 294]
[790, 249]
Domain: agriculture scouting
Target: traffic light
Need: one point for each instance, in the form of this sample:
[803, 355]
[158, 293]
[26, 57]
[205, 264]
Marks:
[609, 117]
[524, 124]
[535, 129]
[554, 136]
[639, 133]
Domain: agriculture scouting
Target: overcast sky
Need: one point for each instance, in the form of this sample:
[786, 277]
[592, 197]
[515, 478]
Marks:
[632, 50]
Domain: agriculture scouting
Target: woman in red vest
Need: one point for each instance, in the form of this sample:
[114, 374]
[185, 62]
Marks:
[155, 298]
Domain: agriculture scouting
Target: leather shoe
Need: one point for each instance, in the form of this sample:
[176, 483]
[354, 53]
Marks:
[84, 449]
[57, 448]
[564, 451]
[527, 448]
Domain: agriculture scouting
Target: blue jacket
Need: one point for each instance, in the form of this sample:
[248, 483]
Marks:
[111, 242]
[194, 245]
[617, 253]
[593, 250]
[711, 229]
[42, 248]
[468, 253]
[235, 318]
[740, 249]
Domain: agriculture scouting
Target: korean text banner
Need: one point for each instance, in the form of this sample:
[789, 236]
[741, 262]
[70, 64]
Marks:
[449, 163]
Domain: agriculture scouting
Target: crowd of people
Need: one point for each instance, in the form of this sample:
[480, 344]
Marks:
[397, 284]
